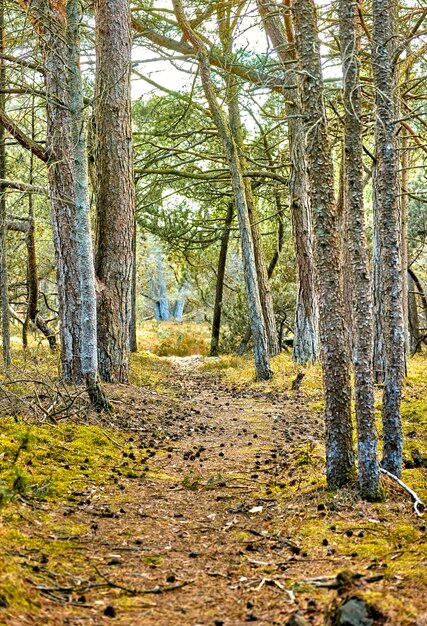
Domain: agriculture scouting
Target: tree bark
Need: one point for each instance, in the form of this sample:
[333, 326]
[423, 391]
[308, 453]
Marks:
[384, 73]
[232, 97]
[3, 220]
[360, 287]
[133, 342]
[219, 291]
[340, 467]
[404, 211]
[261, 352]
[281, 35]
[32, 270]
[378, 359]
[414, 322]
[115, 190]
[58, 28]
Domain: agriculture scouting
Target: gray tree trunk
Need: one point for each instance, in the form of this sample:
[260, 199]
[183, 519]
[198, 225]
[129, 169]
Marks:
[340, 467]
[115, 190]
[404, 211]
[384, 45]
[3, 221]
[261, 352]
[305, 348]
[378, 359]
[59, 35]
[362, 312]
[232, 97]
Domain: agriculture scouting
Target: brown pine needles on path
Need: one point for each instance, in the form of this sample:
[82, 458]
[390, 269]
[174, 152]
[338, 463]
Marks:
[212, 511]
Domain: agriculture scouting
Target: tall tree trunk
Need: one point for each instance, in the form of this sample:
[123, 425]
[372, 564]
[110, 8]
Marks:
[384, 72]
[306, 314]
[261, 352]
[3, 221]
[133, 342]
[362, 314]
[378, 358]
[58, 27]
[346, 263]
[266, 298]
[404, 211]
[115, 190]
[222, 260]
[336, 363]
[32, 270]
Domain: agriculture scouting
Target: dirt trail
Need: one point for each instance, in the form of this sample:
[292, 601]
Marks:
[209, 531]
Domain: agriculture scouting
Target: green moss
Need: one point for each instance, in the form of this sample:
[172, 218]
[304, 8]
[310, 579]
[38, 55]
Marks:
[53, 459]
[152, 560]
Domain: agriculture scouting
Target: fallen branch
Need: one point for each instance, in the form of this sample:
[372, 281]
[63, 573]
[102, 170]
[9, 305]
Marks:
[137, 592]
[417, 502]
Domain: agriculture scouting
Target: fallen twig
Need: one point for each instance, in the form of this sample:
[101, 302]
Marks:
[137, 592]
[418, 504]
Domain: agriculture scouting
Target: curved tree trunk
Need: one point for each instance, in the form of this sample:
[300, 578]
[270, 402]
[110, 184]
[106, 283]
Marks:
[261, 352]
[336, 363]
[266, 298]
[115, 190]
[362, 315]
[389, 235]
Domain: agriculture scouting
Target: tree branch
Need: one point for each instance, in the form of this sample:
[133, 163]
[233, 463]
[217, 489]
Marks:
[14, 184]
[22, 138]
[247, 73]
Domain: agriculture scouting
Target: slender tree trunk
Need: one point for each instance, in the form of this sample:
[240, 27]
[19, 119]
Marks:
[362, 313]
[343, 209]
[418, 291]
[378, 359]
[5, 317]
[86, 271]
[414, 322]
[266, 298]
[336, 363]
[32, 270]
[383, 54]
[404, 210]
[115, 190]
[281, 36]
[133, 342]
[222, 260]
[261, 352]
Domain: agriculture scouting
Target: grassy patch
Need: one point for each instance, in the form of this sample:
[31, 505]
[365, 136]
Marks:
[174, 339]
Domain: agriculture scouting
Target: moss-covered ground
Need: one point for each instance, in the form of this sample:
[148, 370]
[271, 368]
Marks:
[199, 500]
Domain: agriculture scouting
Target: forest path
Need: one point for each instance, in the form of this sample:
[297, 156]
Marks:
[227, 523]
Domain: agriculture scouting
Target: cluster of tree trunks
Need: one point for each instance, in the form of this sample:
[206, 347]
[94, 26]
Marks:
[95, 332]
[96, 288]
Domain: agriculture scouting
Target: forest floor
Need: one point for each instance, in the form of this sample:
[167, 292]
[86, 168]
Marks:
[200, 501]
